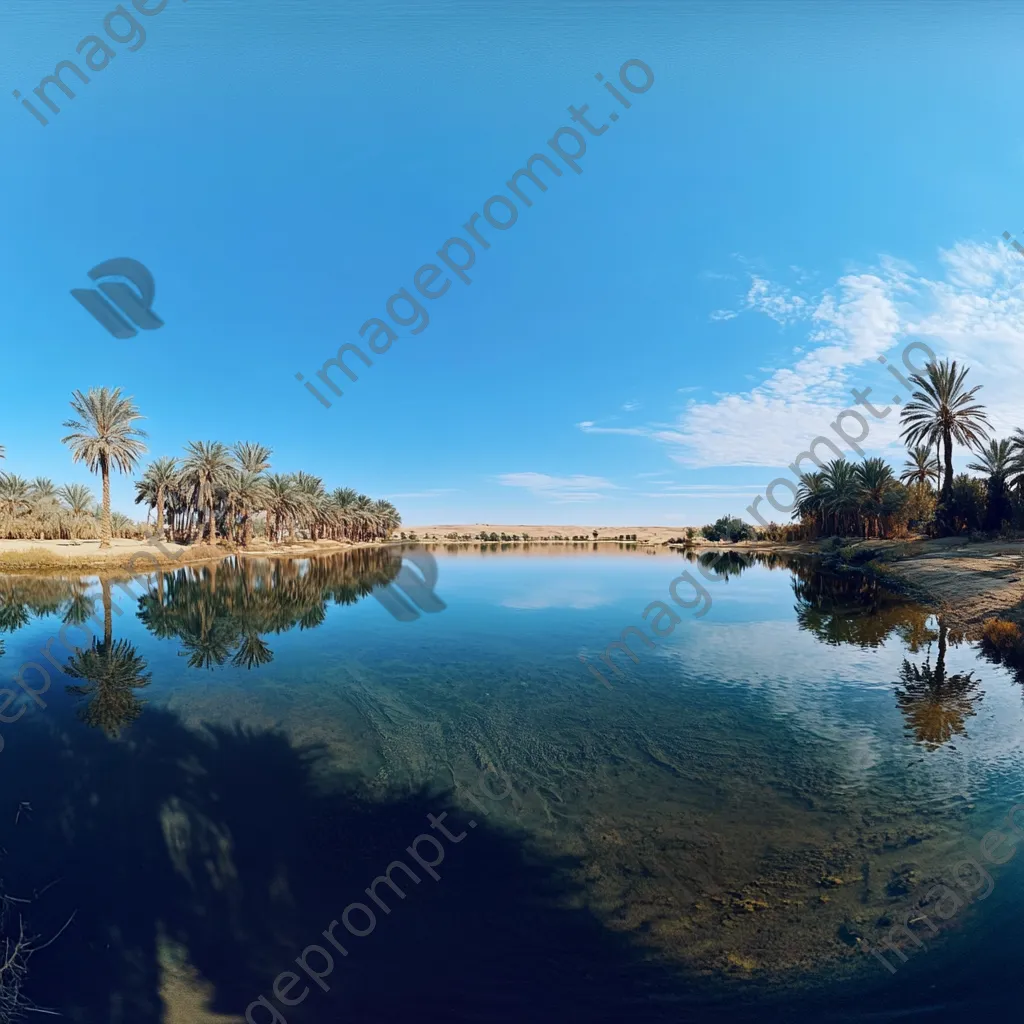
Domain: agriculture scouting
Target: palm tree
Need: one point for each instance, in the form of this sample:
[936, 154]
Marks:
[15, 495]
[997, 458]
[249, 491]
[78, 498]
[206, 468]
[281, 500]
[998, 461]
[160, 475]
[344, 500]
[252, 457]
[922, 467]
[879, 492]
[388, 518]
[941, 410]
[105, 435]
[842, 486]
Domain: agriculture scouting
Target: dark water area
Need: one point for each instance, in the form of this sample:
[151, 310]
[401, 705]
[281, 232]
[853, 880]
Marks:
[237, 751]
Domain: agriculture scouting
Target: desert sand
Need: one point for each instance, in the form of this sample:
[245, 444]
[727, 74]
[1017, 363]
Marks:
[644, 534]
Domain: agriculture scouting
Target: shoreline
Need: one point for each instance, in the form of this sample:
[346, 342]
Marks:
[51, 558]
[967, 581]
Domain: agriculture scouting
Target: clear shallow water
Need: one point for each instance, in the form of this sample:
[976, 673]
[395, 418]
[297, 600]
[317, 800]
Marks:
[708, 836]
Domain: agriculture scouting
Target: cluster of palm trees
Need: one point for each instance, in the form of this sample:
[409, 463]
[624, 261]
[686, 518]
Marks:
[40, 510]
[867, 499]
[213, 491]
[216, 491]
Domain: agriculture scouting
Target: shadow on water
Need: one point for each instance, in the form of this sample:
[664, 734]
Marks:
[230, 847]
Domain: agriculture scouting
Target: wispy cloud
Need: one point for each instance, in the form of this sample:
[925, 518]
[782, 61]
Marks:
[560, 489]
[631, 406]
[590, 427]
[973, 312]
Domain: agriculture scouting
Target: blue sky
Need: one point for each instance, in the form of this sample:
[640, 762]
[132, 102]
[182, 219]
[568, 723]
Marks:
[803, 188]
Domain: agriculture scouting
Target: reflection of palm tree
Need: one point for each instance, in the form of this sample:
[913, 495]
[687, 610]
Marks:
[225, 614]
[935, 704]
[23, 597]
[854, 609]
[112, 672]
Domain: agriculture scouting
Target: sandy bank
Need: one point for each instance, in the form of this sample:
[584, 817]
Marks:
[35, 556]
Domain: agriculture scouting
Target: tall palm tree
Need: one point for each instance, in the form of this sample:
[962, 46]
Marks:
[160, 476]
[811, 500]
[387, 517]
[878, 490]
[842, 486]
[1016, 476]
[997, 458]
[922, 467]
[249, 491]
[344, 500]
[942, 410]
[105, 436]
[282, 502]
[252, 457]
[999, 461]
[206, 467]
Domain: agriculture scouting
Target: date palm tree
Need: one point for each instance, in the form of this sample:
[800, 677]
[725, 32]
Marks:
[104, 436]
[1017, 472]
[206, 468]
[879, 492]
[999, 462]
[79, 501]
[252, 457]
[388, 518]
[922, 467]
[842, 486]
[249, 491]
[282, 502]
[942, 410]
[160, 476]
[15, 495]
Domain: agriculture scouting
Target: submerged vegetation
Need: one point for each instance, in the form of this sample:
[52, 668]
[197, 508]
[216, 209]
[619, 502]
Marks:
[214, 492]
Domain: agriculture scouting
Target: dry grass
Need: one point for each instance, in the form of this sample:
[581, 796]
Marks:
[1002, 635]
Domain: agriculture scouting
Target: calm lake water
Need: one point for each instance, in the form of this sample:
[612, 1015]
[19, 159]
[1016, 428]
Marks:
[240, 749]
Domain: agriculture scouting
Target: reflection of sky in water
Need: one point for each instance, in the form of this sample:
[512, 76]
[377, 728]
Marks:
[759, 726]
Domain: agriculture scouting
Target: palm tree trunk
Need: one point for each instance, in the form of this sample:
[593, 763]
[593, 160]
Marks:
[160, 512]
[947, 482]
[105, 529]
[213, 526]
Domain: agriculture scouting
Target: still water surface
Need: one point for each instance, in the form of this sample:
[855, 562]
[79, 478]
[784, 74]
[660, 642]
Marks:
[244, 746]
